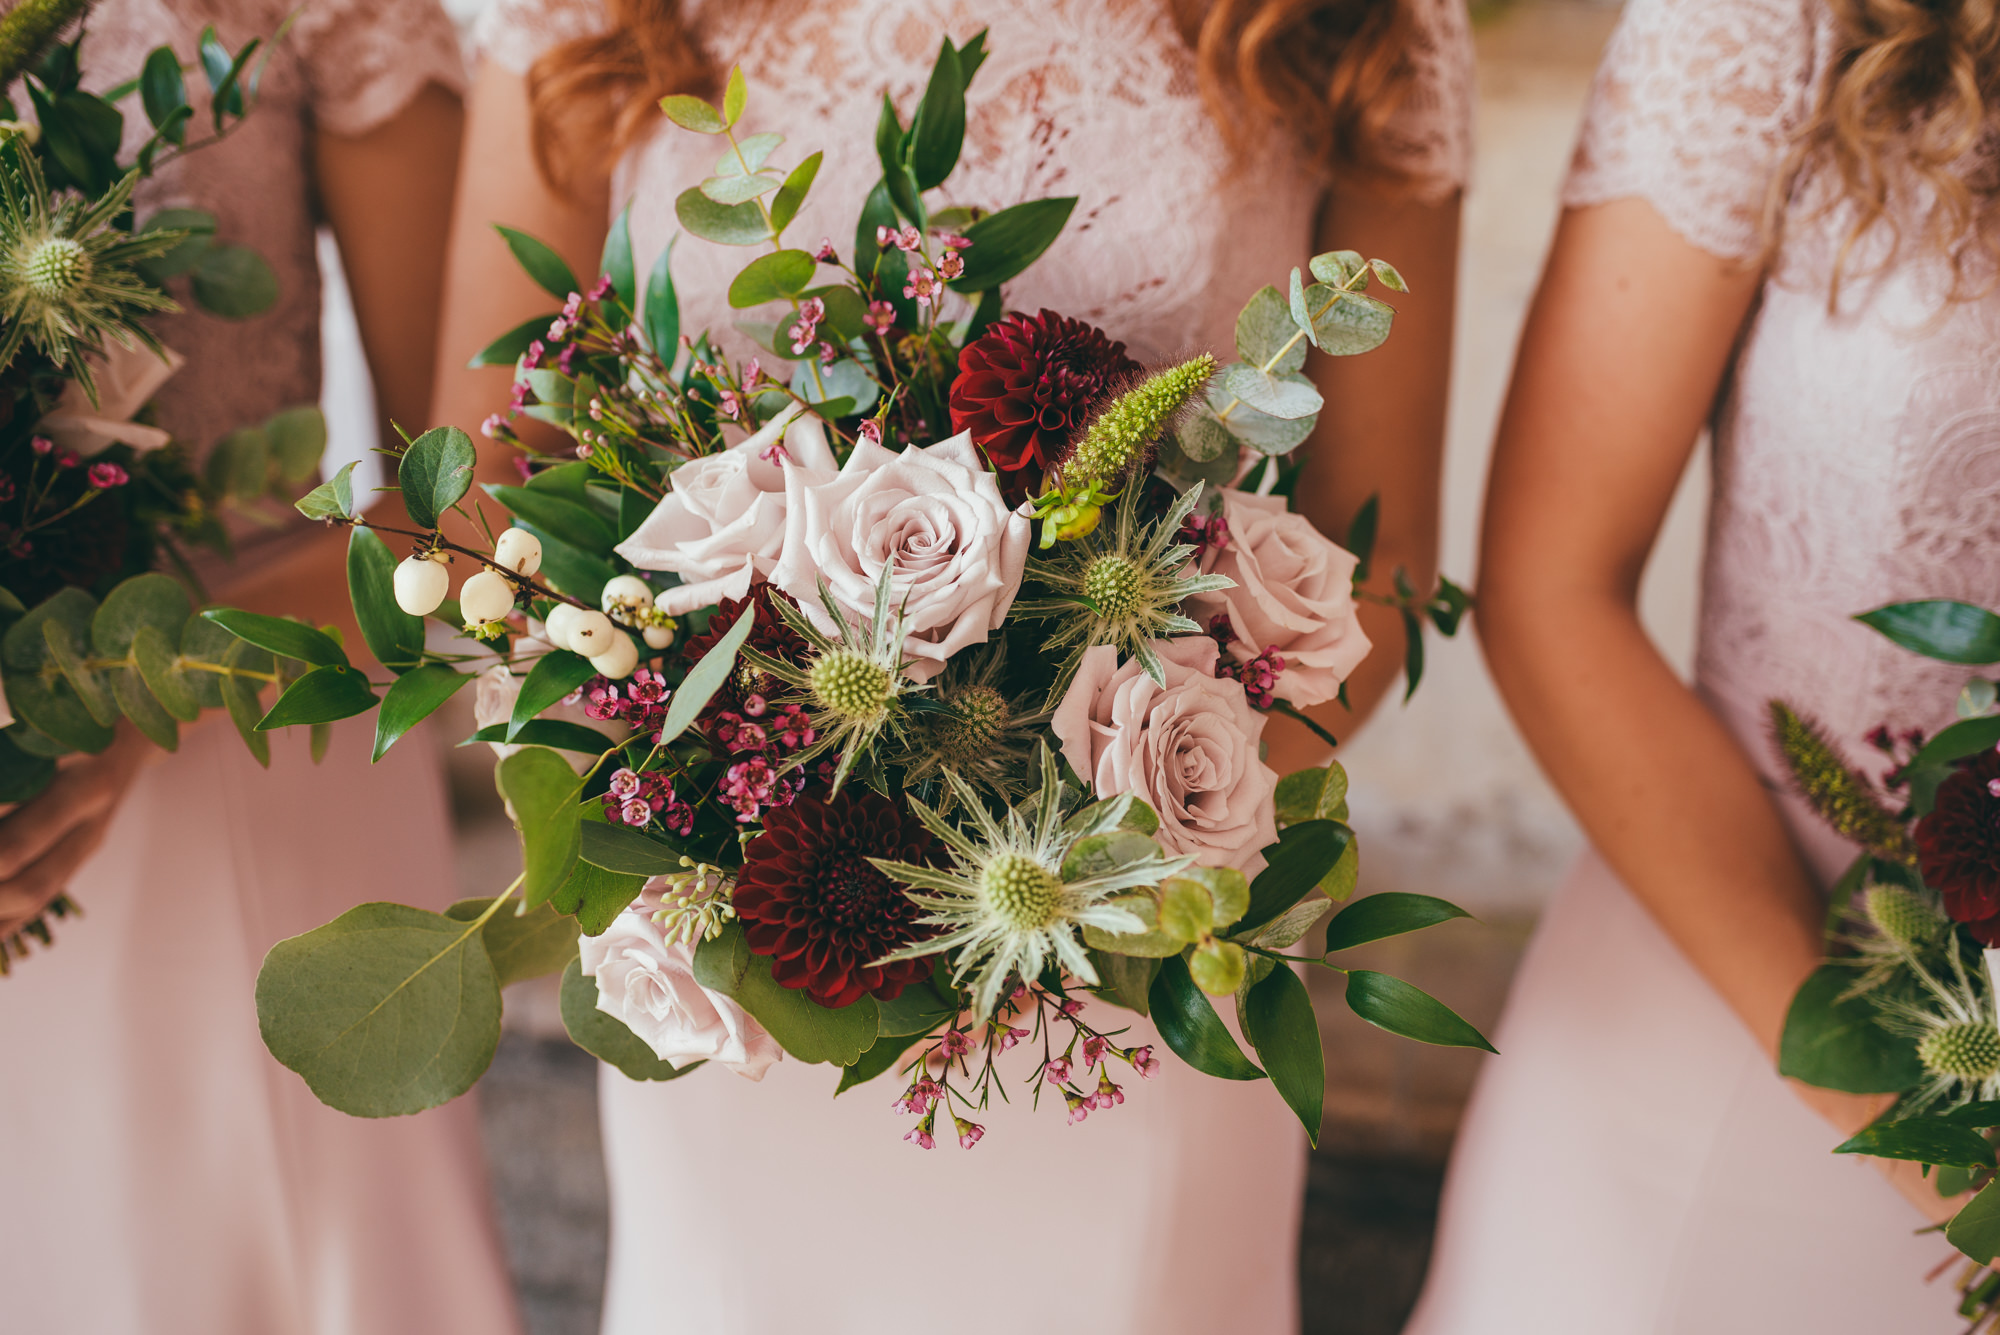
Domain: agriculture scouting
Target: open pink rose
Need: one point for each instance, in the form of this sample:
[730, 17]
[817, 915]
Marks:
[1188, 749]
[649, 985]
[722, 522]
[935, 512]
[1294, 593]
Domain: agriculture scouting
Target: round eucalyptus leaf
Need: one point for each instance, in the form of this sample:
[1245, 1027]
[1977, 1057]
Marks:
[71, 652]
[128, 688]
[40, 694]
[144, 600]
[159, 666]
[234, 282]
[384, 1011]
[203, 647]
[22, 773]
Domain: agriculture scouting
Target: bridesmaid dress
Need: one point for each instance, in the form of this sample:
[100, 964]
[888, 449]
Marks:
[1632, 1163]
[164, 1176]
[744, 1209]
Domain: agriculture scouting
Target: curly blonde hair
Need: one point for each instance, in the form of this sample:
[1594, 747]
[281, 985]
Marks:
[1329, 72]
[1907, 102]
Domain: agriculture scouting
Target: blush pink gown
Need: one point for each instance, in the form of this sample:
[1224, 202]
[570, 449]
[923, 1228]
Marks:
[744, 1209]
[1632, 1163]
[163, 1175]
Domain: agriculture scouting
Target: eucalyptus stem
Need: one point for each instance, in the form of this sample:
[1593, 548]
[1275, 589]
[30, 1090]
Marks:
[1344, 289]
[29, 29]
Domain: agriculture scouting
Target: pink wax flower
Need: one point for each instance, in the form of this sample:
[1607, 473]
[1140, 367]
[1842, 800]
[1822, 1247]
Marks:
[106, 475]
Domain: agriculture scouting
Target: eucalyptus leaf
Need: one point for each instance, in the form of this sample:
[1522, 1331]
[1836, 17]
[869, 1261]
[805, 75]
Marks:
[1345, 324]
[521, 945]
[691, 113]
[41, 696]
[128, 689]
[233, 282]
[384, 1011]
[725, 224]
[542, 790]
[738, 189]
[748, 154]
[68, 651]
[298, 440]
[1287, 397]
[156, 656]
[150, 599]
[773, 277]
[701, 684]
[594, 896]
[605, 1037]
[785, 204]
[1265, 331]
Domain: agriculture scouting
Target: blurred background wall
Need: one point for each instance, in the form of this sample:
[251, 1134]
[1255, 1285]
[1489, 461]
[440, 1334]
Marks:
[1447, 799]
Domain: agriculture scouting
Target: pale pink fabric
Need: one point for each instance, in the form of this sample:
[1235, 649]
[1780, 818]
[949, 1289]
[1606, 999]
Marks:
[1630, 1162]
[164, 1175]
[743, 1209]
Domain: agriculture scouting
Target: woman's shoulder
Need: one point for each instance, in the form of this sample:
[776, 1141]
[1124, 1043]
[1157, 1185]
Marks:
[1694, 108]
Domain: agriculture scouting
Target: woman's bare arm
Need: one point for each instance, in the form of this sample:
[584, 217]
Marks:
[486, 292]
[1381, 434]
[1626, 344]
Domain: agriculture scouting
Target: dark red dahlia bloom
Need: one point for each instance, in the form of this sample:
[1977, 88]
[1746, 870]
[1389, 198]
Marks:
[1958, 846]
[808, 896]
[1027, 385]
[772, 638]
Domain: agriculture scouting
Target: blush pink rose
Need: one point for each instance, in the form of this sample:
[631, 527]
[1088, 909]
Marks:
[722, 522]
[648, 984]
[958, 548]
[1294, 593]
[1188, 749]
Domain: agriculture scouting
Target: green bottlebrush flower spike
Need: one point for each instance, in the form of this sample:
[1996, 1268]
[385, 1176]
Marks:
[1120, 589]
[854, 684]
[1113, 446]
[66, 278]
[1009, 904]
[1842, 798]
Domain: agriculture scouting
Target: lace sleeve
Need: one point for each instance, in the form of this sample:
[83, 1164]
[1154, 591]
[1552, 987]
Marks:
[365, 59]
[514, 33]
[1692, 111]
[1430, 136]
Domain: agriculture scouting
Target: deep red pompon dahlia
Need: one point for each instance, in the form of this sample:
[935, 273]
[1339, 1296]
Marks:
[808, 896]
[1027, 385]
[1958, 846]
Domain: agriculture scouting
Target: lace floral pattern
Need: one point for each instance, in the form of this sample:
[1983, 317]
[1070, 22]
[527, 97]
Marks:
[1856, 453]
[346, 66]
[1093, 98]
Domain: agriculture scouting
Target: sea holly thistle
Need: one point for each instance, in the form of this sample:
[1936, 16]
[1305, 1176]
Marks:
[975, 728]
[1121, 588]
[1017, 893]
[67, 282]
[853, 683]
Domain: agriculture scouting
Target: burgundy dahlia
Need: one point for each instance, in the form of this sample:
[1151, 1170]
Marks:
[1958, 846]
[808, 896]
[1027, 385]
[747, 686]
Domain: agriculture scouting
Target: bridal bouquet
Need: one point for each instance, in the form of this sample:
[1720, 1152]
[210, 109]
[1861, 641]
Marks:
[877, 698]
[1905, 1005]
[92, 496]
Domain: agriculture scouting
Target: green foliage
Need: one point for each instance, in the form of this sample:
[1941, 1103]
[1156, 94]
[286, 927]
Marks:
[1313, 794]
[570, 521]
[384, 1011]
[333, 498]
[522, 945]
[435, 472]
[323, 695]
[1278, 1020]
[1304, 855]
[604, 1036]
[1390, 913]
[554, 675]
[291, 639]
[234, 282]
[1975, 1230]
[617, 264]
[560, 734]
[1835, 1043]
[773, 277]
[541, 791]
[1006, 242]
[540, 262]
[395, 637]
[704, 681]
[42, 695]
[1190, 1026]
[808, 1031]
[412, 698]
[877, 1061]
[621, 848]
[510, 346]
[1940, 628]
[1927, 1140]
[724, 224]
[785, 204]
[661, 318]
[594, 896]
[1392, 1004]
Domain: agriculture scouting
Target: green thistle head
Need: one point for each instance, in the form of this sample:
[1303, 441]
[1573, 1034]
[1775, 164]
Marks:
[67, 277]
[851, 685]
[1021, 892]
[1902, 917]
[1968, 1051]
[1842, 798]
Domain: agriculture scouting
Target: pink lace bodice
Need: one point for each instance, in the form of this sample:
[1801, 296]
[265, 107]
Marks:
[1093, 98]
[345, 66]
[1857, 452]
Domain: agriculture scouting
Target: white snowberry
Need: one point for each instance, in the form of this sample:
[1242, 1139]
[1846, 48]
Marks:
[617, 661]
[624, 589]
[421, 584]
[591, 633]
[518, 550]
[658, 637]
[484, 597]
[561, 620]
